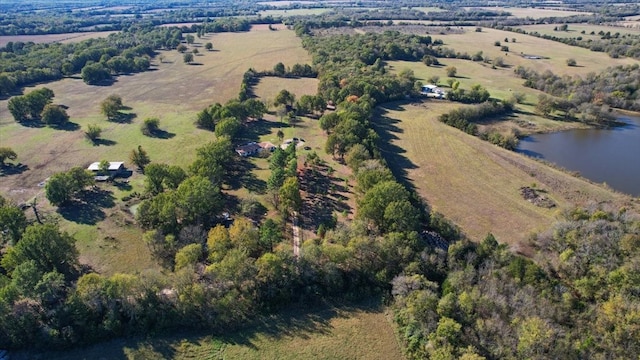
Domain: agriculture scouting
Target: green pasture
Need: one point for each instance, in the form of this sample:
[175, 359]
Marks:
[173, 92]
[472, 182]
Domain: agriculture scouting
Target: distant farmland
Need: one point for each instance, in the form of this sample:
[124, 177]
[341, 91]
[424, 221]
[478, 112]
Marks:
[51, 38]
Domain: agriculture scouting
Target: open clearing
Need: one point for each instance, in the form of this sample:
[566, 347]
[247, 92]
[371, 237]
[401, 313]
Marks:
[556, 52]
[269, 87]
[361, 332]
[51, 38]
[174, 92]
[472, 182]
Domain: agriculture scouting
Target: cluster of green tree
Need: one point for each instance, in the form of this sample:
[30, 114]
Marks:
[128, 51]
[61, 188]
[577, 96]
[352, 65]
[464, 118]
[350, 126]
[477, 94]
[283, 181]
[36, 106]
[579, 299]
[396, 13]
[228, 119]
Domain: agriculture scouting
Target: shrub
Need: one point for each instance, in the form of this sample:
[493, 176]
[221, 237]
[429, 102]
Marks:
[150, 126]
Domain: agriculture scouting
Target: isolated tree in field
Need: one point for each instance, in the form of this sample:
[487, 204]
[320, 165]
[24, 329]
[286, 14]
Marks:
[54, 115]
[208, 46]
[111, 106]
[139, 158]
[498, 62]
[187, 58]
[284, 97]
[93, 132]
[150, 126]
[161, 58]
[280, 135]
[572, 62]
[452, 71]
[195, 51]
[190, 39]
[6, 153]
[434, 79]
[181, 48]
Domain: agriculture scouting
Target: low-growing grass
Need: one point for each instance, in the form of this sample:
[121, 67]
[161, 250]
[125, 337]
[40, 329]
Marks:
[174, 92]
[269, 87]
[554, 54]
[575, 30]
[472, 182]
[328, 332]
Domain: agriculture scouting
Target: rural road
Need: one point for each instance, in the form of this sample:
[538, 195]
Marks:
[296, 236]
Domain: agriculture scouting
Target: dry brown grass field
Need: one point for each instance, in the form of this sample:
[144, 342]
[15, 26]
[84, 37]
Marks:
[575, 30]
[556, 52]
[50, 38]
[472, 182]
[173, 92]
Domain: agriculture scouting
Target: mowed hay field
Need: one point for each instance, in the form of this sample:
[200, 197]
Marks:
[174, 92]
[330, 333]
[472, 182]
[556, 52]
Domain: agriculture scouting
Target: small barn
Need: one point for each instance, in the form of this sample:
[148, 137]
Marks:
[116, 168]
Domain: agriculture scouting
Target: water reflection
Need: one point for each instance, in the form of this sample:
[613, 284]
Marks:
[602, 155]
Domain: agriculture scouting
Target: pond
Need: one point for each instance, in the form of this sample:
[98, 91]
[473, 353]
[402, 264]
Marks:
[609, 155]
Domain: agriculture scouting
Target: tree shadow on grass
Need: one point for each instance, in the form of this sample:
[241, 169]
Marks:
[387, 128]
[241, 176]
[299, 321]
[257, 128]
[103, 142]
[323, 197]
[12, 169]
[123, 118]
[161, 134]
[87, 207]
[68, 126]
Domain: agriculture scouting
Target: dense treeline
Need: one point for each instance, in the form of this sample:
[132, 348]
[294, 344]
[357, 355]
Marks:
[464, 118]
[578, 300]
[617, 87]
[352, 65]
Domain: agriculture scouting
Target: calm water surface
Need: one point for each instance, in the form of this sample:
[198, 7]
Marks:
[601, 155]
